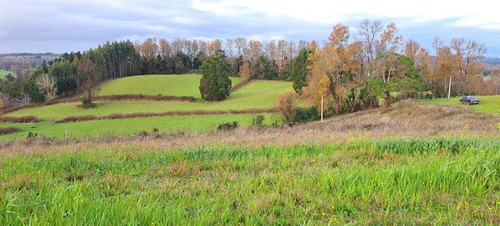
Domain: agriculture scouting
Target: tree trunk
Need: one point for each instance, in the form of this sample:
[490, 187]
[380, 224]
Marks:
[387, 99]
[449, 89]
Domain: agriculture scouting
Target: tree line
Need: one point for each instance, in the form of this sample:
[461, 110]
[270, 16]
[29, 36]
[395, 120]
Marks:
[263, 60]
[349, 74]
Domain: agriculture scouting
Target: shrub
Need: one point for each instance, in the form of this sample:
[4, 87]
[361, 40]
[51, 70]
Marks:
[227, 126]
[258, 120]
[286, 105]
[86, 103]
[305, 115]
[31, 135]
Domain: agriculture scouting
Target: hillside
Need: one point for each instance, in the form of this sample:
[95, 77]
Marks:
[403, 120]
[167, 85]
[372, 167]
[134, 116]
[489, 104]
[4, 73]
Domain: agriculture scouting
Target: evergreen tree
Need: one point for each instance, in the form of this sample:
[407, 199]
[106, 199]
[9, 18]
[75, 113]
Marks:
[299, 70]
[215, 83]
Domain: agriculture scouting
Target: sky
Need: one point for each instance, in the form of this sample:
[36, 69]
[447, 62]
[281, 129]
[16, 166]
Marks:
[65, 26]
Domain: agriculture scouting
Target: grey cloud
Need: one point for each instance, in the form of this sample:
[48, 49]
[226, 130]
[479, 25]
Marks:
[77, 26]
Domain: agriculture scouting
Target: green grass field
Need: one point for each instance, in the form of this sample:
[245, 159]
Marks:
[117, 127]
[167, 85]
[386, 182]
[4, 73]
[488, 105]
[257, 94]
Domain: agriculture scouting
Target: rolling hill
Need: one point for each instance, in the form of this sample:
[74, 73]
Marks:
[257, 97]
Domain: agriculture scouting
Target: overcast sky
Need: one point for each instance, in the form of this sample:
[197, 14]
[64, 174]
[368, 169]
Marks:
[64, 26]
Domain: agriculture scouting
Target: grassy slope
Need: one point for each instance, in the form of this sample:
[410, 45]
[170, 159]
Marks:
[168, 85]
[193, 123]
[4, 73]
[441, 181]
[488, 105]
[257, 94]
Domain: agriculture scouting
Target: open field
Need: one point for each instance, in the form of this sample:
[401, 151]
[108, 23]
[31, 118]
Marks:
[257, 94]
[117, 127]
[167, 85]
[4, 73]
[403, 120]
[377, 166]
[401, 181]
[488, 105]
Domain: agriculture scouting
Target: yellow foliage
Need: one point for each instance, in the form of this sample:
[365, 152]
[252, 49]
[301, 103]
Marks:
[286, 104]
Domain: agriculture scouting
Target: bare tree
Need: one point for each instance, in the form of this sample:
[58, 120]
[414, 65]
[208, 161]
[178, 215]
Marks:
[47, 85]
[241, 45]
[88, 77]
[271, 49]
[369, 31]
[177, 45]
[230, 48]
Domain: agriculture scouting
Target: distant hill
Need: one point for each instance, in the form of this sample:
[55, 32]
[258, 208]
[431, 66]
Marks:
[495, 61]
[17, 62]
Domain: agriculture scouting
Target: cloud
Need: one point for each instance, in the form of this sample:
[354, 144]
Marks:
[29, 26]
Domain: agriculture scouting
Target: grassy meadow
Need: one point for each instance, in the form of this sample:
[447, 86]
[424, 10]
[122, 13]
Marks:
[4, 73]
[358, 168]
[129, 126]
[257, 94]
[403, 181]
[488, 105]
[167, 85]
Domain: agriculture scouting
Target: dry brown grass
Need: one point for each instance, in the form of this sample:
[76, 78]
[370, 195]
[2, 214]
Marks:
[402, 120]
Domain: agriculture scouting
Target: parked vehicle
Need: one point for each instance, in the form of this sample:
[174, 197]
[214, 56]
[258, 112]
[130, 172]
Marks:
[469, 100]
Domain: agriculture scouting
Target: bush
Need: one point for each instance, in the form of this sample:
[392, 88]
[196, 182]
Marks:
[407, 94]
[87, 104]
[258, 120]
[31, 135]
[286, 105]
[227, 126]
[305, 115]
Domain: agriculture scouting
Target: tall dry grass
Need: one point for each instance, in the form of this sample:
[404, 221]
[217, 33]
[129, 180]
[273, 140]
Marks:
[403, 120]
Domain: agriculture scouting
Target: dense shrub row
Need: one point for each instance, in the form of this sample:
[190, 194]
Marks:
[132, 97]
[239, 85]
[168, 113]
[9, 130]
[22, 119]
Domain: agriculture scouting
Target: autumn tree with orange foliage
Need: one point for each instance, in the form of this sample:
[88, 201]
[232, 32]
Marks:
[334, 70]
